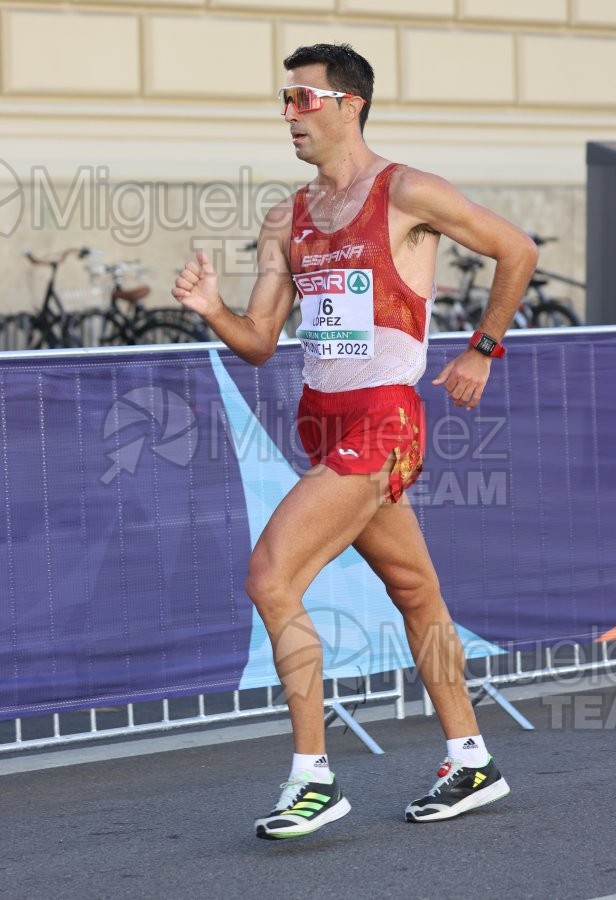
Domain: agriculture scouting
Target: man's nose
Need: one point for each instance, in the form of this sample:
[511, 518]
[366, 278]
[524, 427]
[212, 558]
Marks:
[290, 113]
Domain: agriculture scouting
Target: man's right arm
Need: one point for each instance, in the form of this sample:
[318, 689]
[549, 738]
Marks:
[254, 335]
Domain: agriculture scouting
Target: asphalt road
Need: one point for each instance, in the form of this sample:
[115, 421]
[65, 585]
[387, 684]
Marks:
[178, 824]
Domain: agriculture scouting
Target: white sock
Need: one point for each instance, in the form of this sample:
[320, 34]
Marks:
[316, 766]
[470, 751]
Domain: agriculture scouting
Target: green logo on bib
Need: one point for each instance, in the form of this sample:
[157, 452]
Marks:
[358, 282]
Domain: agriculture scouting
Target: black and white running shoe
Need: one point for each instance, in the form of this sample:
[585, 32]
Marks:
[304, 806]
[458, 790]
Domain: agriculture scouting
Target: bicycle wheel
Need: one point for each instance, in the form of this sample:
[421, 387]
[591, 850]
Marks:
[457, 315]
[84, 328]
[523, 316]
[438, 323]
[474, 314]
[445, 312]
[111, 328]
[168, 331]
[47, 332]
[552, 314]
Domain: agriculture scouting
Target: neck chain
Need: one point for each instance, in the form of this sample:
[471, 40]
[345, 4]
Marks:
[335, 211]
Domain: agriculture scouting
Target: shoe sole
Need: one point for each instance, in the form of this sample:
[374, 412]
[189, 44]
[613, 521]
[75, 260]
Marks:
[490, 794]
[331, 815]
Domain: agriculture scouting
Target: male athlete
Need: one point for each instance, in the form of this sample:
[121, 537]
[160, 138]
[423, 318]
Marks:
[359, 244]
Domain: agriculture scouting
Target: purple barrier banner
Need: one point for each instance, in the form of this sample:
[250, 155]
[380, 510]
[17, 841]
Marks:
[134, 486]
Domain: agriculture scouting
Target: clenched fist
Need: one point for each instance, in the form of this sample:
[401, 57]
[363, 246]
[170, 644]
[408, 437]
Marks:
[196, 287]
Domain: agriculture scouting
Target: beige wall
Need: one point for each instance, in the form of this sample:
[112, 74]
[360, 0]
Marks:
[499, 96]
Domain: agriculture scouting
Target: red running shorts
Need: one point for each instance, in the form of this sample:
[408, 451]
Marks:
[355, 432]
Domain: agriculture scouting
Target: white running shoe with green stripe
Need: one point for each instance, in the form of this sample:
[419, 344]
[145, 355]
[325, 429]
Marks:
[303, 807]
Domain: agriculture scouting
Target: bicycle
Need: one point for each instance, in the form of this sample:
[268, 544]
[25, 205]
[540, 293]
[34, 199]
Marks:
[462, 308]
[136, 324]
[541, 310]
[50, 326]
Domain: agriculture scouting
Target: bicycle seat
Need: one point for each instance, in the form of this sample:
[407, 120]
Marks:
[538, 280]
[134, 295]
[467, 263]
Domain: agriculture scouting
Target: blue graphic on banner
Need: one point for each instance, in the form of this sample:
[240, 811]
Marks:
[134, 488]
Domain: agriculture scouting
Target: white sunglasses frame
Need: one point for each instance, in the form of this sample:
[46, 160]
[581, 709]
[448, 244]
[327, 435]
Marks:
[320, 93]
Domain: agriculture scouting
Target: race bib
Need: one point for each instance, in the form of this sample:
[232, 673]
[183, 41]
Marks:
[337, 308]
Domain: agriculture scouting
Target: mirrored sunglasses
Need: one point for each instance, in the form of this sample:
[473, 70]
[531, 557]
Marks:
[305, 98]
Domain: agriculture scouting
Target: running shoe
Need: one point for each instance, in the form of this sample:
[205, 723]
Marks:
[304, 806]
[458, 790]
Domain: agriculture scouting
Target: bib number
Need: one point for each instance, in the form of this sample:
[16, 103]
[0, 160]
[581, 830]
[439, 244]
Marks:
[337, 308]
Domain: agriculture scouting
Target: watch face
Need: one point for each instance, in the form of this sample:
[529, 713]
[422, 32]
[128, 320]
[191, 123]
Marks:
[486, 345]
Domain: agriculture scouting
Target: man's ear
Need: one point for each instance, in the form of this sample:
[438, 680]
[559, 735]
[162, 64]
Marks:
[353, 106]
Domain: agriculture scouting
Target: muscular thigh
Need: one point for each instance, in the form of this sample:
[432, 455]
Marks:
[393, 545]
[316, 521]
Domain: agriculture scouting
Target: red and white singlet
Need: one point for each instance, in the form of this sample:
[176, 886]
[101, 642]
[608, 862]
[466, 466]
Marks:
[362, 325]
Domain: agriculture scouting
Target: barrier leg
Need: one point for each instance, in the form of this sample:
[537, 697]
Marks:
[490, 690]
[428, 707]
[338, 710]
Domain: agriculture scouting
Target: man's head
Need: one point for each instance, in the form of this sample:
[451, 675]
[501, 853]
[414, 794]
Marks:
[345, 70]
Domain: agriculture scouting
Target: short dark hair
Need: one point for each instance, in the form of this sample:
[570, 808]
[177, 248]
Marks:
[346, 70]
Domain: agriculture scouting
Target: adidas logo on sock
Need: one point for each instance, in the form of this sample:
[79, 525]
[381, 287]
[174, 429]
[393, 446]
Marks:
[320, 763]
[469, 745]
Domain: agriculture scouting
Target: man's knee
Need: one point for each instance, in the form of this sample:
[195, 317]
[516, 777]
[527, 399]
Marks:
[414, 592]
[265, 586]
[259, 580]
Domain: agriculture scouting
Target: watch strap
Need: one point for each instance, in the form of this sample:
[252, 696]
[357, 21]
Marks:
[487, 345]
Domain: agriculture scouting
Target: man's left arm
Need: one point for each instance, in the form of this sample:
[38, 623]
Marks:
[438, 204]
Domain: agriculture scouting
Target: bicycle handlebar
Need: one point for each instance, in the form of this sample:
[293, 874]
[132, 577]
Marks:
[558, 277]
[540, 241]
[117, 270]
[57, 259]
[465, 262]
[470, 262]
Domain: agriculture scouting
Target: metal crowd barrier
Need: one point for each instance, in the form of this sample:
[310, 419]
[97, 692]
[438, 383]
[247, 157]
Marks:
[61, 726]
[14, 331]
[167, 721]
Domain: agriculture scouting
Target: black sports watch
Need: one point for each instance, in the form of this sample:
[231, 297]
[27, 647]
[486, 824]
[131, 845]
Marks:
[487, 345]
